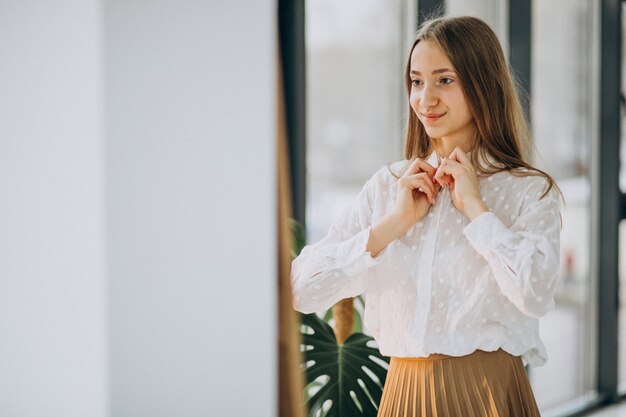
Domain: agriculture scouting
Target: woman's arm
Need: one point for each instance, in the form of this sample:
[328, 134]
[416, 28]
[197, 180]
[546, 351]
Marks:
[524, 257]
[340, 265]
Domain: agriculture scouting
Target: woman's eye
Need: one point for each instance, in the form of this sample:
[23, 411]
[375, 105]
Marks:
[413, 82]
[450, 80]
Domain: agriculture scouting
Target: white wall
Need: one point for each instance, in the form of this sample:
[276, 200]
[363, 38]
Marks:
[53, 344]
[137, 266]
[190, 117]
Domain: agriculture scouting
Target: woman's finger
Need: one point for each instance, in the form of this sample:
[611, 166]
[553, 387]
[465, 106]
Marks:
[460, 156]
[426, 178]
[419, 165]
[448, 171]
[420, 184]
[452, 170]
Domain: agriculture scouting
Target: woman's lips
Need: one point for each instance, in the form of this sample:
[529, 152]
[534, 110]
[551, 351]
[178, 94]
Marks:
[432, 116]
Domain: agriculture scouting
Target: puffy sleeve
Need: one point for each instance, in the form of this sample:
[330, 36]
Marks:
[338, 266]
[524, 257]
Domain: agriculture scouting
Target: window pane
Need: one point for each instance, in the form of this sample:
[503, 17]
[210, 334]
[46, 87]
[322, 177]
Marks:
[355, 99]
[563, 87]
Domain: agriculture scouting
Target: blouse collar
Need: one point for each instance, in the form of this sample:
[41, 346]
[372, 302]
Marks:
[484, 160]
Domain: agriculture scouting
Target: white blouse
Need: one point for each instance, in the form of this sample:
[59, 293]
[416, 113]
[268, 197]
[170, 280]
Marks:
[448, 285]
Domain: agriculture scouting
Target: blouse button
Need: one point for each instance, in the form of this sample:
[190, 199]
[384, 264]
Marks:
[410, 232]
[437, 329]
[456, 303]
[385, 193]
[423, 237]
[496, 189]
[414, 247]
[440, 305]
[506, 206]
[540, 299]
[430, 214]
[447, 232]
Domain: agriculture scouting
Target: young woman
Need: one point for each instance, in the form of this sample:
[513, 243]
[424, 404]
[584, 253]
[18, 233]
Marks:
[456, 246]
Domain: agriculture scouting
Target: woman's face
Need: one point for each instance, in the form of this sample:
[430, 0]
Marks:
[436, 96]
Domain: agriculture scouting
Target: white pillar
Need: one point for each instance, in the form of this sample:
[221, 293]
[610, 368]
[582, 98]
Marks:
[137, 170]
[190, 119]
[53, 337]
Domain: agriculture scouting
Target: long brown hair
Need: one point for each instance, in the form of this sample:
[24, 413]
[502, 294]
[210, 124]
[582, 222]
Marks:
[502, 131]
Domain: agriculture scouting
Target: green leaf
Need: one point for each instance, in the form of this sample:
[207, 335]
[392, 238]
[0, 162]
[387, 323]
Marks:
[328, 315]
[343, 368]
[299, 238]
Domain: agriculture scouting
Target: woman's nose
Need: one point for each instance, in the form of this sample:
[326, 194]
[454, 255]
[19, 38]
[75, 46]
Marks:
[429, 96]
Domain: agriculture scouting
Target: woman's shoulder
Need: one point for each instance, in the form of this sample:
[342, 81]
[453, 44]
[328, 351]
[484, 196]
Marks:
[522, 182]
[389, 172]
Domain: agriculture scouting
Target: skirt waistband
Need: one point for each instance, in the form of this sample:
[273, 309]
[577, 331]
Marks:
[438, 356]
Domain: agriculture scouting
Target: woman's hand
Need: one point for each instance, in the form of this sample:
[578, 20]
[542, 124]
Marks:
[459, 174]
[416, 191]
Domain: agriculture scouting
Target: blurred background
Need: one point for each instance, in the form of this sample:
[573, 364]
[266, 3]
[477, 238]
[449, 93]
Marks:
[138, 166]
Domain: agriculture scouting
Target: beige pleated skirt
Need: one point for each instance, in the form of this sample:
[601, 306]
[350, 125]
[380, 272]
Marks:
[481, 384]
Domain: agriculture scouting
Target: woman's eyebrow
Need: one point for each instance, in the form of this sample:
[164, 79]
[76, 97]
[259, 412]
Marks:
[437, 71]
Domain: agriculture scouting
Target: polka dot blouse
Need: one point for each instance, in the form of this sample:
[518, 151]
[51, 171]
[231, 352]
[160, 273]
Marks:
[448, 285]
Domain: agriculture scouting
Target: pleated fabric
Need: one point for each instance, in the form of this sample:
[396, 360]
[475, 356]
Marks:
[481, 384]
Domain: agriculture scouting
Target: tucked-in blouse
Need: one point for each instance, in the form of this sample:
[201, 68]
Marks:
[448, 285]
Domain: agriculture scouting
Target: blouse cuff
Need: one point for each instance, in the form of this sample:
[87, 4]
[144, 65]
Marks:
[355, 255]
[486, 232]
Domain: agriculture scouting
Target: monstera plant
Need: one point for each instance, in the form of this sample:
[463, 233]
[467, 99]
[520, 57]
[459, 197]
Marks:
[343, 377]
